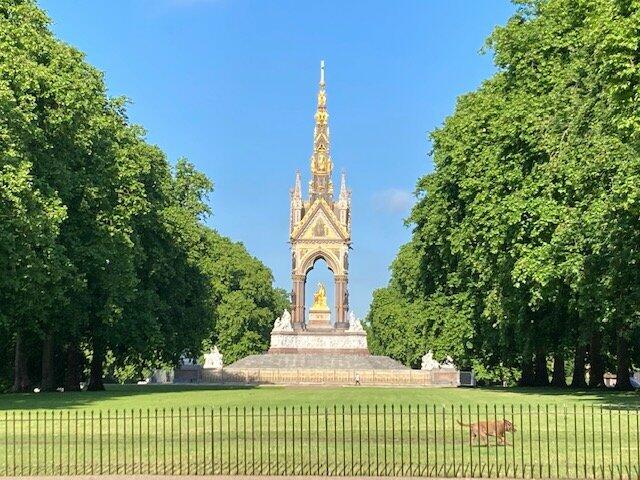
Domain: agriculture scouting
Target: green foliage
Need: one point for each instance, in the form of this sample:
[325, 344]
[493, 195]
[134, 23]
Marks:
[395, 327]
[31, 261]
[246, 304]
[103, 249]
[526, 234]
[405, 330]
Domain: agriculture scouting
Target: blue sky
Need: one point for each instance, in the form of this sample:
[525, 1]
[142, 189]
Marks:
[231, 85]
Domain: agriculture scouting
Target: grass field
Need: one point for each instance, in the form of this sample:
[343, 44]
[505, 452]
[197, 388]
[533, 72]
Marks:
[314, 430]
[168, 396]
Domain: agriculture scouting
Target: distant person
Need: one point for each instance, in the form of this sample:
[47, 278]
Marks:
[357, 379]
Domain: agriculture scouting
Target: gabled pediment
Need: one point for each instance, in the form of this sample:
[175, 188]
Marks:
[320, 223]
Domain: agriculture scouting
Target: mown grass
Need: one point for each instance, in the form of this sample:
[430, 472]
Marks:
[320, 430]
[168, 396]
[552, 441]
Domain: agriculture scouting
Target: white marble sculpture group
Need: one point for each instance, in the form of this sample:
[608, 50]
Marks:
[213, 359]
[353, 339]
[283, 323]
[354, 324]
[429, 363]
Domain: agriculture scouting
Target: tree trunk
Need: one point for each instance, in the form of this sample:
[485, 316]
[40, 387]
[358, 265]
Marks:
[72, 374]
[21, 374]
[542, 372]
[47, 364]
[527, 378]
[596, 363]
[559, 378]
[95, 377]
[579, 380]
[624, 364]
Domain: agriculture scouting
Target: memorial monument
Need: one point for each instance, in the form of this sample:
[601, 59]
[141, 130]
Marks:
[320, 228]
[318, 346]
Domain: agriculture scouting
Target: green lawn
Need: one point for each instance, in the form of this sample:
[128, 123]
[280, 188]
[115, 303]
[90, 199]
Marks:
[168, 396]
[314, 430]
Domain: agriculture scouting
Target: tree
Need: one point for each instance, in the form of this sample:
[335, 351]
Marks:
[171, 312]
[403, 325]
[107, 233]
[395, 327]
[104, 249]
[246, 303]
[31, 261]
[531, 213]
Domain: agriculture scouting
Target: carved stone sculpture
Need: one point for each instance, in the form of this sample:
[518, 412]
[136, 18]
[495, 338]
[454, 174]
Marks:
[283, 323]
[428, 363]
[213, 359]
[448, 364]
[354, 324]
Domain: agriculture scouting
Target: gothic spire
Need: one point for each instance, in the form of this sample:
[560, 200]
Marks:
[344, 195]
[297, 187]
[321, 165]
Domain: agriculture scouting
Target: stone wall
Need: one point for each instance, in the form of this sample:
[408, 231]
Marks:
[444, 377]
[188, 375]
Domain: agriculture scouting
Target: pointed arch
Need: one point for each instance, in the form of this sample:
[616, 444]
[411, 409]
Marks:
[311, 258]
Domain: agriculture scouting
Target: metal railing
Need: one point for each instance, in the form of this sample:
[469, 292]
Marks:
[381, 440]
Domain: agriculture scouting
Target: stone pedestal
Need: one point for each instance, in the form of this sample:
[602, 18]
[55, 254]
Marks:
[325, 341]
[319, 319]
[319, 335]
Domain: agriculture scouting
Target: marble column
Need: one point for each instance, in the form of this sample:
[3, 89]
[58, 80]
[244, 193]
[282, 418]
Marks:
[341, 303]
[298, 300]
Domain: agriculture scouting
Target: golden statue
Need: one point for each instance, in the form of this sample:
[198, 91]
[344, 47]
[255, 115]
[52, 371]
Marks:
[320, 298]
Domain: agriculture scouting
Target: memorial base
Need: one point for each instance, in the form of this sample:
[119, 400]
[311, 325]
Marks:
[319, 319]
[320, 341]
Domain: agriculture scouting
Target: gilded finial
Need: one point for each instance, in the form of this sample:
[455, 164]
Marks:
[321, 158]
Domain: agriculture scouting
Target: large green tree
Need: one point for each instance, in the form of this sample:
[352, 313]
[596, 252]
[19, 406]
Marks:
[246, 304]
[104, 252]
[31, 260]
[531, 214]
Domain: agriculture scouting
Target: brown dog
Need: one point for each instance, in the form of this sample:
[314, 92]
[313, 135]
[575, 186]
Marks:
[486, 429]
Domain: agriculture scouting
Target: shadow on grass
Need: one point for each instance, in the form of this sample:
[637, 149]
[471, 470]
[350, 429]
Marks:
[65, 400]
[135, 396]
[605, 397]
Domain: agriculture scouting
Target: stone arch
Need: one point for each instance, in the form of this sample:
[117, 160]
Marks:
[307, 263]
[336, 267]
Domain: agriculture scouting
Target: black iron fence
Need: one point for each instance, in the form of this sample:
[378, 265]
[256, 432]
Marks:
[425, 440]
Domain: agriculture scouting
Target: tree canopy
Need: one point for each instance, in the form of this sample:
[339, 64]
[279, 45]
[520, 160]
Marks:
[526, 234]
[104, 252]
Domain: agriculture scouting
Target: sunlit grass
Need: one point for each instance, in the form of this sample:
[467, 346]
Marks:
[168, 396]
[325, 430]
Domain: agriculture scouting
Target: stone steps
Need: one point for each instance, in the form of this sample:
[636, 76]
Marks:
[319, 361]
